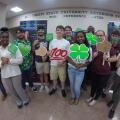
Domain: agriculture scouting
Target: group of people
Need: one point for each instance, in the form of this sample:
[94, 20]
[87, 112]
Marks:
[16, 68]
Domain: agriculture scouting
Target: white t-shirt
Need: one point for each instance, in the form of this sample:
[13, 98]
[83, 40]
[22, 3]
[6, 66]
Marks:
[12, 68]
[58, 50]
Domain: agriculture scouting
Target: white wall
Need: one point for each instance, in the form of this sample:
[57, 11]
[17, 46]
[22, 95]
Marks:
[94, 17]
[3, 11]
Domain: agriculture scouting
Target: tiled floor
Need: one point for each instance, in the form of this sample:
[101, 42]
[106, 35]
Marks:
[45, 107]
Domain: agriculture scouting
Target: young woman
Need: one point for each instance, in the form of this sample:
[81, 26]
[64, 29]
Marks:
[76, 69]
[10, 71]
[101, 72]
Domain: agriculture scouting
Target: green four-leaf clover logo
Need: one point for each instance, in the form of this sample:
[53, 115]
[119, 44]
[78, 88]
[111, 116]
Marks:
[79, 51]
[92, 39]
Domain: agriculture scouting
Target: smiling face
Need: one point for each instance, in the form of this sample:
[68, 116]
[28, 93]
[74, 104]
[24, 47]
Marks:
[59, 32]
[40, 35]
[4, 39]
[68, 31]
[80, 38]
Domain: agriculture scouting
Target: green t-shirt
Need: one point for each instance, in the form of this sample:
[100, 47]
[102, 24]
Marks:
[25, 48]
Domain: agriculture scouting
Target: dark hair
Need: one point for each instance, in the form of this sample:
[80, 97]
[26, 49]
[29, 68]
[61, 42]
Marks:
[20, 30]
[40, 28]
[100, 31]
[86, 42]
[91, 29]
[115, 32]
[69, 27]
[4, 30]
[60, 27]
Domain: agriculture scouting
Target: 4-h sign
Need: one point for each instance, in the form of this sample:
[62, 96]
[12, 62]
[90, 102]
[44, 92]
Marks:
[79, 52]
[92, 39]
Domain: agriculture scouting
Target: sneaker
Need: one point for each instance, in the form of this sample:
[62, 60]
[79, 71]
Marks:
[25, 103]
[63, 93]
[93, 102]
[89, 99]
[52, 91]
[19, 105]
[41, 88]
[76, 102]
[109, 104]
[47, 89]
[111, 114]
[3, 97]
[34, 89]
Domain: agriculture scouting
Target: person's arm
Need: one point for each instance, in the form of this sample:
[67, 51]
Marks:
[70, 61]
[111, 59]
[34, 44]
[17, 60]
[74, 64]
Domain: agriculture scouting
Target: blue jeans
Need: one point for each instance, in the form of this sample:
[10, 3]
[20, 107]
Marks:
[76, 78]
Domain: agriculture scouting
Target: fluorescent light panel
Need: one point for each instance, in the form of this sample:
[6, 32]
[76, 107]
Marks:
[16, 9]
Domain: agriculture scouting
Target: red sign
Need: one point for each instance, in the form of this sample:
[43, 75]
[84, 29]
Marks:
[58, 54]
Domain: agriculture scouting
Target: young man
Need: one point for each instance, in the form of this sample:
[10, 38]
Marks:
[42, 62]
[26, 66]
[58, 51]
[115, 40]
[116, 91]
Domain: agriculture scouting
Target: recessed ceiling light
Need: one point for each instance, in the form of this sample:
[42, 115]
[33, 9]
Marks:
[16, 9]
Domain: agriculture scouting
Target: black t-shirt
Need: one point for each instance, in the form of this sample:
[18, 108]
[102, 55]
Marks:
[44, 43]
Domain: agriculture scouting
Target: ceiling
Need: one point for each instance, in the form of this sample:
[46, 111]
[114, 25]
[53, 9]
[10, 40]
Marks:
[34, 5]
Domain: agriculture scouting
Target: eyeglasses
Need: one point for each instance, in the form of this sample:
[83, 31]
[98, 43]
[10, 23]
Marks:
[80, 37]
[100, 35]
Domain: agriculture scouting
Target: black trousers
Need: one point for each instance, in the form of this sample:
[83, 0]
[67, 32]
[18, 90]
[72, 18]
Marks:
[27, 77]
[98, 83]
[116, 92]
